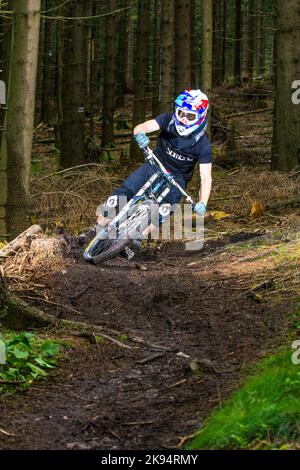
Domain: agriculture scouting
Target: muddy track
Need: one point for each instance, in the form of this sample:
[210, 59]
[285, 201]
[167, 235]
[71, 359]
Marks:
[199, 330]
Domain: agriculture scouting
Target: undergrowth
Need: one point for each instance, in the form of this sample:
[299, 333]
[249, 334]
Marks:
[263, 414]
[24, 357]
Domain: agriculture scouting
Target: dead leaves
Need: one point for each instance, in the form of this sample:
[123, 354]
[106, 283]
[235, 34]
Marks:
[256, 209]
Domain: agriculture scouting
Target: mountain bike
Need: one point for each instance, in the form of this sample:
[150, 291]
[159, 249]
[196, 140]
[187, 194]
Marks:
[133, 219]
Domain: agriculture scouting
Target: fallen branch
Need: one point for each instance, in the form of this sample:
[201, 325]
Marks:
[21, 240]
[148, 344]
[294, 174]
[18, 315]
[262, 285]
[44, 141]
[64, 193]
[173, 385]
[238, 196]
[245, 113]
[7, 433]
[71, 168]
[150, 358]
[228, 247]
[293, 201]
[139, 423]
[89, 335]
[54, 303]
[12, 382]
[80, 293]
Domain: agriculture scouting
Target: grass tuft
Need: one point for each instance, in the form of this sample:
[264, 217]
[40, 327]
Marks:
[265, 413]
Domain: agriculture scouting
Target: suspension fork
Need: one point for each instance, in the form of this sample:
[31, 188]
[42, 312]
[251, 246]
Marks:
[135, 198]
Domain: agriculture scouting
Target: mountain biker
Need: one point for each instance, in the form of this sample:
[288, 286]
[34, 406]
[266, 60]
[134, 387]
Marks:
[182, 143]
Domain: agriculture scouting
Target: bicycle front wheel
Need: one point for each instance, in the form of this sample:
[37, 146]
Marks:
[110, 241]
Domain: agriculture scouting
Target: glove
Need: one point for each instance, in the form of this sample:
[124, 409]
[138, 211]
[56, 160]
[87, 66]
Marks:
[142, 139]
[200, 209]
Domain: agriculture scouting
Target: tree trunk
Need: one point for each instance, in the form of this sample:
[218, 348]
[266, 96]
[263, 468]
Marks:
[156, 56]
[90, 68]
[99, 53]
[59, 76]
[109, 78]
[260, 39]
[238, 34]
[47, 69]
[194, 45]
[246, 72]
[167, 57]
[17, 140]
[129, 66]
[72, 129]
[122, 54]
[286, 150]
[182, 45]
[207, 45]
[5, 47]
[140, 78]
[251, 39]
[5, 51]
[216, 42]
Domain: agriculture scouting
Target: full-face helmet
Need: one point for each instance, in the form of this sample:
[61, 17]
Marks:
[191, 108]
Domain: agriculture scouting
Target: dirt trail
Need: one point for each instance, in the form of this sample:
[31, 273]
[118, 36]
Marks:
[199, 329]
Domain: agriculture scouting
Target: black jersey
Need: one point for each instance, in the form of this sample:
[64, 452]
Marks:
[178, 153]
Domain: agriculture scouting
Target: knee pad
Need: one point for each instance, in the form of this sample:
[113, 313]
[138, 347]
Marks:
[164, 212]
[114, 203]
[160, 213]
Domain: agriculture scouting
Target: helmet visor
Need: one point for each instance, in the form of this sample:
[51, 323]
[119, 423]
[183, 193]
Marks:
[191, 116]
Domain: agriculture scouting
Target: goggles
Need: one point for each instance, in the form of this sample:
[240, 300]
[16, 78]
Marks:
[191, 116]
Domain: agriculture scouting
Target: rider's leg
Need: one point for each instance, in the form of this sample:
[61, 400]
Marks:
[167, 207]
[122, 195]
[118, 198]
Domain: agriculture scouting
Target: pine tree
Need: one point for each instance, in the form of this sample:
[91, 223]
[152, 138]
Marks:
[109, 78]
[207, 47]
[17, 138]
[140, 71]
[182, 45]
[167, 57]
[72, 129]
[286, 149]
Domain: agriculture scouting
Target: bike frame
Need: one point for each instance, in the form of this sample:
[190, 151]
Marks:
[163, 181]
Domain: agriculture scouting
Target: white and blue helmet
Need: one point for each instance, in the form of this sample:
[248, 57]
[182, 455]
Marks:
[191, 108]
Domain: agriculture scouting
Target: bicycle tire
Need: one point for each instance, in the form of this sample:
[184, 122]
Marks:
[112, 247]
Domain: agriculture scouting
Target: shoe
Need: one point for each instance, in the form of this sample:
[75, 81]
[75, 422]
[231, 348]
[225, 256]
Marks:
[131, 250]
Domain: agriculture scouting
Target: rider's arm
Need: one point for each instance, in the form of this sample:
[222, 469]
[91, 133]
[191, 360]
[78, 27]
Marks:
[206, 180]
[146, 127]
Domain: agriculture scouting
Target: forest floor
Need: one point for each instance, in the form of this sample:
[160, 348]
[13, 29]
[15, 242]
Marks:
[188, 325]
[180, 328]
